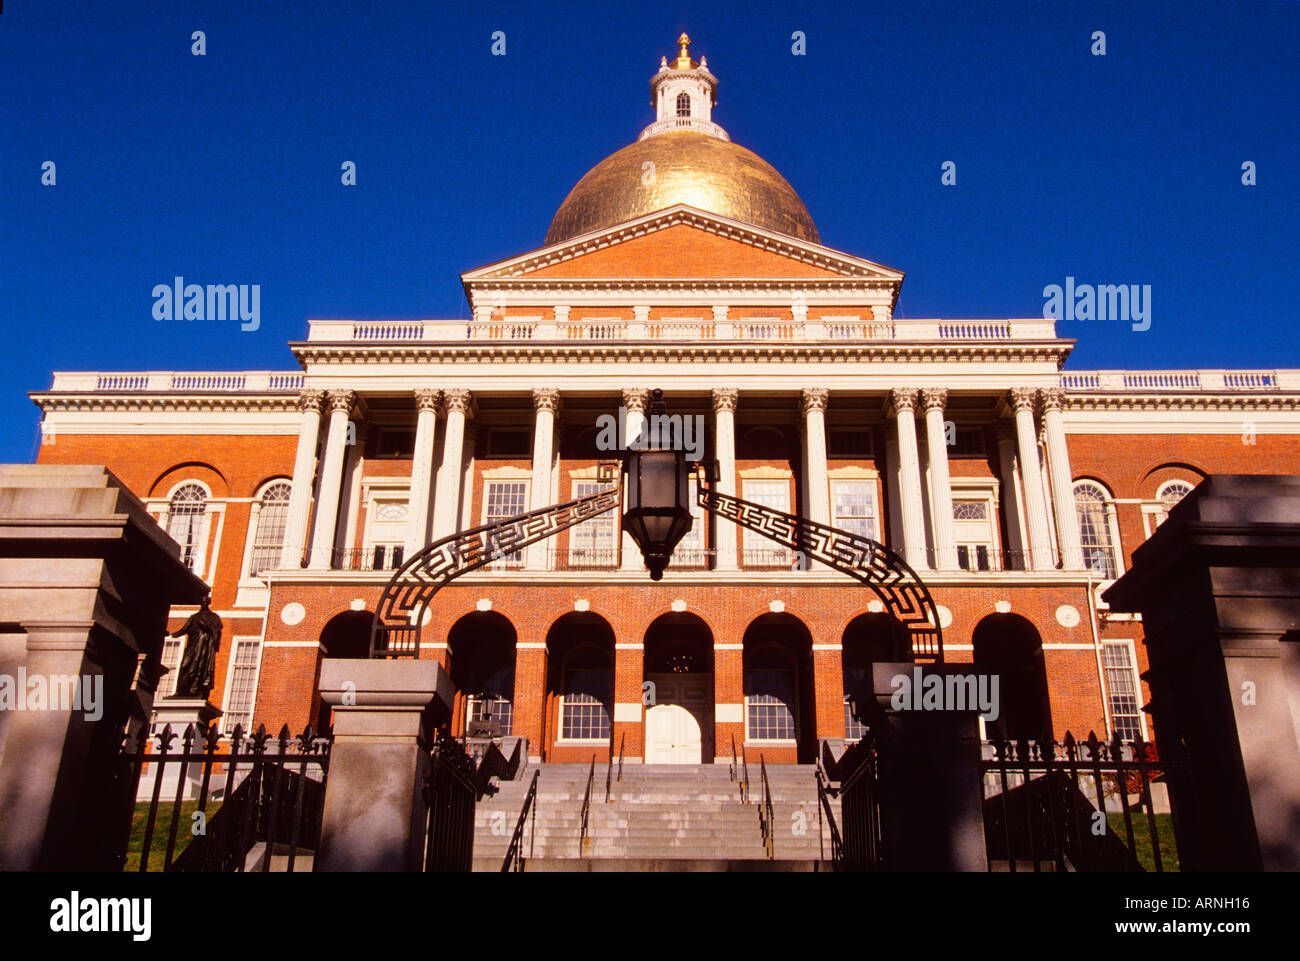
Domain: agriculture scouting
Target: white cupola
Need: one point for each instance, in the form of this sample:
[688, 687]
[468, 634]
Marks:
[683, 94]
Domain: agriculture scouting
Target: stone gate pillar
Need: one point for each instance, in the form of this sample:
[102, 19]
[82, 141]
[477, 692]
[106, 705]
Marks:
[1218, 587]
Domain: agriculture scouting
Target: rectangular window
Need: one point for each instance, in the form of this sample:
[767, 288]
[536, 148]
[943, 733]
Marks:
[594, 542]
[504, 499]
[584, 714]
[172, 649]
[973, 529]
[768, 706]
[853, 728]
[690, 549]
[238, 708]
[1122, 689]
[853, 507]
[759, 551]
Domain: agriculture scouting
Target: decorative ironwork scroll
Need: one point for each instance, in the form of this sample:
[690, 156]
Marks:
[904, 595]
[405, 600]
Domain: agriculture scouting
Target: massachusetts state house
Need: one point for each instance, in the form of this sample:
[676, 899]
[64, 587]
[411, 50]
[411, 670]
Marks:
[1017, 488]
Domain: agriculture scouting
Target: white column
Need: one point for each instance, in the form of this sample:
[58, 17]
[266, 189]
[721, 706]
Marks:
[724, 416]
[945, 539]
[352, 488]
[304, 473]
[1013, 512]
[331, 479]
[634, 401]
[545, 402]
[417, 507]
[1040, 542]
[1058, 465]
[903, 402]
[813, 404]
[446, 498]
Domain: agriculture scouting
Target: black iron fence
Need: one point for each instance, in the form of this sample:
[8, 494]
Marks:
[861, 844]
[1076, 806]
[451, 793]
[195, 803]
[515, 852]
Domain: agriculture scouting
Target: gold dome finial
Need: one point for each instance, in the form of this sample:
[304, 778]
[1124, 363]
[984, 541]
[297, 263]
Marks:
[683, 55]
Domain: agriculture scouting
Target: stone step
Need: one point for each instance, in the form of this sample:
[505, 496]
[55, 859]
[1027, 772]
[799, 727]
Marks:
[652, 864]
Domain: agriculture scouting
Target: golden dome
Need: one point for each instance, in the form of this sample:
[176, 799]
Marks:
[691, 168]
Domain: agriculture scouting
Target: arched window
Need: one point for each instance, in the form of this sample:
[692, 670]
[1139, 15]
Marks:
[185, 515]
[683, 105]
[1169, 494]
[1090, 501]
[268, 539]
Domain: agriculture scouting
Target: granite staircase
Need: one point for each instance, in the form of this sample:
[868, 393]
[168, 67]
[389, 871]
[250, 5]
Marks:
[669, 817]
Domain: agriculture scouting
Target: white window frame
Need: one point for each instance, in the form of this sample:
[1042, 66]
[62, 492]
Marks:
[246, 576]
[1155, 512]
[1128, 644]
[754, 542]
[488, 482]
[1112, 521]
[563, 706]
[205, 553]
[227, 724]
[609, 520]
[793, 706]
[374, 490]
[696, 538]
[985, 490]
[167, 683]
[873, 492]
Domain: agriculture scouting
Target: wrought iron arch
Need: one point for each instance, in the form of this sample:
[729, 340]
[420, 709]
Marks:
[402, 607]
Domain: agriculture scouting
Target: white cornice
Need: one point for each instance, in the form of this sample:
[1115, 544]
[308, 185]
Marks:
[169, 402]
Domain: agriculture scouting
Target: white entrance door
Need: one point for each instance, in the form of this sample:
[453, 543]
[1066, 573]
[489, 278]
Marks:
[679, 725]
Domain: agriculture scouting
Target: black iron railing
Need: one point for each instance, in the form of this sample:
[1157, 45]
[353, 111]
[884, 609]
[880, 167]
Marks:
[1067, 807]
[586, 807]
[862, 846]
[765, 819]
[514, 853]
[451, 793]
[254, 793]
[609, 769]
[824, 810]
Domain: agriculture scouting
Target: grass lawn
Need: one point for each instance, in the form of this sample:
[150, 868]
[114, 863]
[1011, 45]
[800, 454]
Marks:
[1142, 839]
[161, 829]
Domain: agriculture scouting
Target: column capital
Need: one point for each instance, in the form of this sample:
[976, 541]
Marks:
[813, 398]
[1023, 398]
[309, 400]
[1052, 398]
[901, 399]
[342, 400]
[725, 398]
[546, 398]
[934, 398]
[635, 398]
[456, 398]
[427, 398]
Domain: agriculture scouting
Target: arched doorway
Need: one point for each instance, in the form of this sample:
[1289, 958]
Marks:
[482, 666]
[579, 684]
[780, 710]
[679, 717]
[344, 635]
[1010, 646]
[869, 639]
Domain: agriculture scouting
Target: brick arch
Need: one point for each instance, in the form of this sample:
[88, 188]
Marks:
[190, 470]
[1173, 467]
[797, 615]
[550, 624]
[645, 625]
[255, 489]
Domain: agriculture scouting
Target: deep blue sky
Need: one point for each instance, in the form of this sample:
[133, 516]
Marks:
[225, 168]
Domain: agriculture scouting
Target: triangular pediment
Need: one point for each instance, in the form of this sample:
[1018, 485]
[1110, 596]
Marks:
[683, 242]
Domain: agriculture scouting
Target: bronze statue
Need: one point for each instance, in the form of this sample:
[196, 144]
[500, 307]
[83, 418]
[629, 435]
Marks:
[202, 634]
